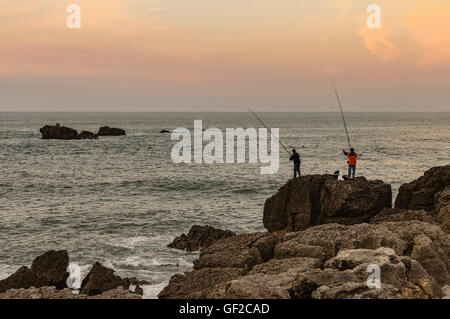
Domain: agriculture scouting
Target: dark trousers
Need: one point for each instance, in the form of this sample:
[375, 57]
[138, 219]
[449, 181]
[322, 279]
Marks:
[296, 170]
[352, 169]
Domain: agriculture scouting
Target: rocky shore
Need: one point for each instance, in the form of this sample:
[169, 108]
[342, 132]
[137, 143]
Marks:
[47, 279]
[323, 238]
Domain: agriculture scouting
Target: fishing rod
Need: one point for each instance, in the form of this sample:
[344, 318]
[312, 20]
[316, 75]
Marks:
[270, 131]
[342, 112]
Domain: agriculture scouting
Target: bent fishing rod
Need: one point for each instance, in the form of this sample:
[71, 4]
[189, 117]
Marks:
[270, 131]
[342, 112]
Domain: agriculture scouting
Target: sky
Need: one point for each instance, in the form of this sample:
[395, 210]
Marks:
[224, 55]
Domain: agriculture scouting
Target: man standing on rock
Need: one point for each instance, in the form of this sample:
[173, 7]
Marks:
[351, 161]
[296, 158]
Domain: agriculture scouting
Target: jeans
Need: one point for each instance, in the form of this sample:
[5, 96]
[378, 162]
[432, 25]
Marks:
[350, 169]
[296, 169]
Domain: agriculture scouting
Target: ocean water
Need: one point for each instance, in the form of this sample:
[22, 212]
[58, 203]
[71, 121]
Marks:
[121, 200]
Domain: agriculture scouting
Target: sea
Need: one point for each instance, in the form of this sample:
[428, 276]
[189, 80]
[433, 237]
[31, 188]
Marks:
[121, 200]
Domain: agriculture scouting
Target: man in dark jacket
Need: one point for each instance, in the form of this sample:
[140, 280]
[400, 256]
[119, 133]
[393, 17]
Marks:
[296, 158]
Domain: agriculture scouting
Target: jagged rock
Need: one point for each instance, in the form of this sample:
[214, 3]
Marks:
[52, 268]
[240, 251]
[180, 286]
[420, 194]
[52, 293]
[110, 131]
[319, 199]
[101, 279]
[86, 135]
[58, 132]
[49, 269]
[241, 289]
[65, 133]
[442, 209]
[199, 237]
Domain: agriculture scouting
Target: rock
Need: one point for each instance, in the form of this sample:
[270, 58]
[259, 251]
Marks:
[52, 268]
[181, 286]
[110, 131]
[164, 131]
[420, 194]
[345, 276]
[52, 293]
[86, 135]
[65, 133]
[58, 132]
[424, 242]
[240, 251]
[442, 209]
[319, 199]
[49, 269]
[22, 278]
[241, 289]
[199, 237]
[101, 279]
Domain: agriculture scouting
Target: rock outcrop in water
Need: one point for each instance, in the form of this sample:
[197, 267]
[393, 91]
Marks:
[101, 279]
[319, 199]
[330, 260]
[199, 237]
[47, 279]
[64, 133]
[110, 131]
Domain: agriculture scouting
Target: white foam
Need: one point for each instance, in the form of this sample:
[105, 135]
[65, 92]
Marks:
[152, 291]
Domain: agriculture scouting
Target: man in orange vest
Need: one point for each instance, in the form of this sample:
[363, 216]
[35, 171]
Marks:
[351, 162]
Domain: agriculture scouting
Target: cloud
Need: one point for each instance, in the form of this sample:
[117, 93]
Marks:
[378, 42]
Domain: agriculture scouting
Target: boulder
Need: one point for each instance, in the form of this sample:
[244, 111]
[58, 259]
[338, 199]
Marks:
[420, 194]
[345, 276]
[49, 269]
[398, 215]
[199, 237]
[181, 286]
[110, 131]
[58, 132]
[240, 251]
[101, 279]
[442, 209]
[319, 199]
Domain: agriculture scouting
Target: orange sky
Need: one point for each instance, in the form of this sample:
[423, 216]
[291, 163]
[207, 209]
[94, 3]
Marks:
[156, 55]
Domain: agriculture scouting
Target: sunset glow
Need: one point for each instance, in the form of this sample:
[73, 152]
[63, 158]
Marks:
[156, 55]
